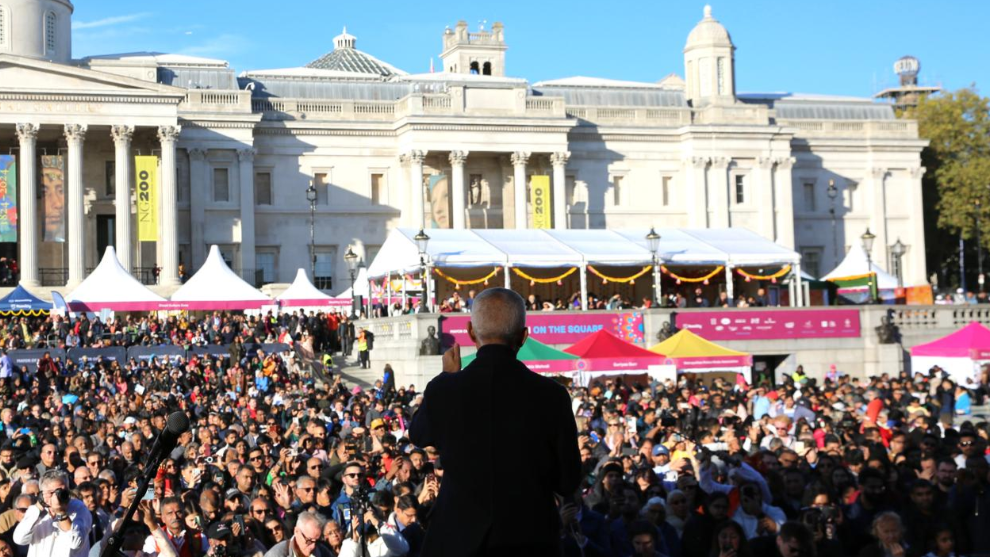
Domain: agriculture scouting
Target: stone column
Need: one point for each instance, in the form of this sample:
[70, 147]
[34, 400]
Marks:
[246, 173]
[28, 135]
[122, 136]
[695, 190]
[519, 160]
[199, 184]
[559, 197]
[914, 261]
[75, 135]
[765, 202]
[457, 187]
[718, 193]
[169, 242]
[784, 207]
[416, 159]
[878, 217]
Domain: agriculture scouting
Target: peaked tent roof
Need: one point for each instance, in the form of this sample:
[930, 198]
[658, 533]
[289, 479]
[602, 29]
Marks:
[692, 352]
[603, 351]
[215, 286]
[538, 357]
[302, 293]
[960, 344]
[109, 286]
[22, 302]
[854, 265]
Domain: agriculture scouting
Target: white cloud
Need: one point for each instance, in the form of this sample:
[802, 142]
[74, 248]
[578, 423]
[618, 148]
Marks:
[108, 21]
[218, 47]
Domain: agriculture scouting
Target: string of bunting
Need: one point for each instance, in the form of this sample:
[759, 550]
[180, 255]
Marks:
[681, 279]
[627, 280]
[458, 283]
[533, 280]
[772, 278]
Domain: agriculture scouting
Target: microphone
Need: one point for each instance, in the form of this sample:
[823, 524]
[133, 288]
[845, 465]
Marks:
[175, 426]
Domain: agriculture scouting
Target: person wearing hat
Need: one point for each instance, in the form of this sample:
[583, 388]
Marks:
[661, 462]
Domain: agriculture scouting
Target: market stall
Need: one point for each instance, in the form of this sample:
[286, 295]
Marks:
[216, 287]
[960, 354]
[603, 354]
[540, 358]
[111, 287]
[301, 294]
[860, 279]
[21, 303]
[692, 354]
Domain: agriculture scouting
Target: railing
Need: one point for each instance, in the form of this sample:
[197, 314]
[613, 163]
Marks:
[146, 275]
[537, 103]
[663, 117]
[298, 109]
[436, 102]
[843, 128]
[217, 101]
[53, 276]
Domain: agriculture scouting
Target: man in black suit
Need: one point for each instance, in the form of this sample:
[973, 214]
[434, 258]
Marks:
[471, 416]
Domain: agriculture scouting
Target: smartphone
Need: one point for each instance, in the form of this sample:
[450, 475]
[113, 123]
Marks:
[149, 495]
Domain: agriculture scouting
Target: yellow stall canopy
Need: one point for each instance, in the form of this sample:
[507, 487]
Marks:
[693, 354]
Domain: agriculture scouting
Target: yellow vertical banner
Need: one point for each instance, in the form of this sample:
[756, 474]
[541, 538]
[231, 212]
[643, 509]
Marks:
[146, 184]
[539, 190]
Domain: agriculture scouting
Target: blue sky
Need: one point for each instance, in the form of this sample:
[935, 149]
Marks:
[838, 47]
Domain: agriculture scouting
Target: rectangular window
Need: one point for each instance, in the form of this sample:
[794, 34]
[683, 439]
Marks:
[266, 263]
[377, 189]
[111, 175]
[811, 261]
[665, 190]
[740, 189]
[263, 188]
[322, 182]
[221, 185]
[851, 188]
[809, 197]
[323, 275]
[617, 190]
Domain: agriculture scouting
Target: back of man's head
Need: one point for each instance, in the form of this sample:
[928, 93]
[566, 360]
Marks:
[498, 316]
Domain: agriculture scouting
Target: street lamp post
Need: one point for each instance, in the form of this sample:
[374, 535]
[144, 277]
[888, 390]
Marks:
[979, 244]
[422, 241]
[351, 259]
[898, 250]
[311, 197]
[868, 238]
[833, 192]
[653, 242]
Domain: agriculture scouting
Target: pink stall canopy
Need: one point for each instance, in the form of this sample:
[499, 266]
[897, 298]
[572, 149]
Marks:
[959, 354]
[604, 352]
[111, 287]
[216, 287]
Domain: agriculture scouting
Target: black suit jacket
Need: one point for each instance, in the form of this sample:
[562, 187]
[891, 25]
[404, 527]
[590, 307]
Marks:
[508, 441]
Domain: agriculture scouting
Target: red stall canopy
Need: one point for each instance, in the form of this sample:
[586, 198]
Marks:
[604, 352]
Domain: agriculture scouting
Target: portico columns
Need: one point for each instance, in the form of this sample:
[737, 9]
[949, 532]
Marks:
[169, 242]
[457, 160]
[75, 135]
[246, 157]
[559, 197]
[122, 136]
[416, 159]
[519, 159]
[28, 135]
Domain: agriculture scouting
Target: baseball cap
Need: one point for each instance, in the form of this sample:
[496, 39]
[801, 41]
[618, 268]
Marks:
[232, 493]
[377, 422]
[660, 450]
[219, 531]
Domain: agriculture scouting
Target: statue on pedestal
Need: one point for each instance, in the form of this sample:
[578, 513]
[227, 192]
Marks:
[431, 344]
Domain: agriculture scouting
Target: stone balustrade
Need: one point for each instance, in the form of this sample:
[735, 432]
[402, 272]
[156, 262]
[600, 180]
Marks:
[859, 128]
[208, 100]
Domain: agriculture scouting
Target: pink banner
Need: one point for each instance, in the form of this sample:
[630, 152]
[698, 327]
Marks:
[556, 328]
[631, 365]
[771, 324]
[712, 362]
[552, 366]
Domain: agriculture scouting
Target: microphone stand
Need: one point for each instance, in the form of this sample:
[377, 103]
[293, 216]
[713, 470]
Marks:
[116, 540]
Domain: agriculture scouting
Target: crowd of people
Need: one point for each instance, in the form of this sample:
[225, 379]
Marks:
[284, 462]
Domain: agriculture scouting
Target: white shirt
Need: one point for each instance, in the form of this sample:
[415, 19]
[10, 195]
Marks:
[389, 544]
[749, 523]
[48, 540]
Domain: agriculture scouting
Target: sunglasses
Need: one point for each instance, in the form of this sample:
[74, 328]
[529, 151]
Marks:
[262, 511]
[255, 458]
[967, 443]
[352, 475]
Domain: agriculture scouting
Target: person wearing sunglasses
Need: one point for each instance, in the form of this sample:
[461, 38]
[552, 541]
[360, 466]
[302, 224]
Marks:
[305, 540]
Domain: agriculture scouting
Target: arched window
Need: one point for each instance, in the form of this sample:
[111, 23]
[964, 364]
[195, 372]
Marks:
[474, 68]
[487, 68]
[50, 22]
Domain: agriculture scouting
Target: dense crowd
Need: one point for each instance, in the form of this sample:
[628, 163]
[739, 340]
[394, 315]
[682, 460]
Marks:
[284, 462]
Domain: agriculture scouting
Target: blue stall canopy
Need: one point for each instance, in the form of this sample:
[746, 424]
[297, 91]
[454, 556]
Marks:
[22, 302]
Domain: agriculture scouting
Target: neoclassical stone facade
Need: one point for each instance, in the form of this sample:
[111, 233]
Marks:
[238, 152]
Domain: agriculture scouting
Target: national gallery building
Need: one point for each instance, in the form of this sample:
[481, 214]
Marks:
[164, 155]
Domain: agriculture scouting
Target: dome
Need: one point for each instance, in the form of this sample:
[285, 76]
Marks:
[345, 57]
[708, 32]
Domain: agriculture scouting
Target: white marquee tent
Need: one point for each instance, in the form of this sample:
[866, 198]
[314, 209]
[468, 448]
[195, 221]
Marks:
[215, 286]
[731, 248]
[109, 286]
[856, 264]
[302, 294]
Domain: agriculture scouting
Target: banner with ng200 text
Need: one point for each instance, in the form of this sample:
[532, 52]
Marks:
[146, 184]
[539, 187]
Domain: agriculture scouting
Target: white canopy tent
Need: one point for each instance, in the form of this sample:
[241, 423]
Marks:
[302, 294]
[215, 286]
[731, 248]
[856, 264]
[111, 287]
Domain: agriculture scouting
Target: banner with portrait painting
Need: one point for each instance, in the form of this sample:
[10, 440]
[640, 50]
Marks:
[438, 187]
[8, 199]
[146, 186]
[539, 189]
[53, 193]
